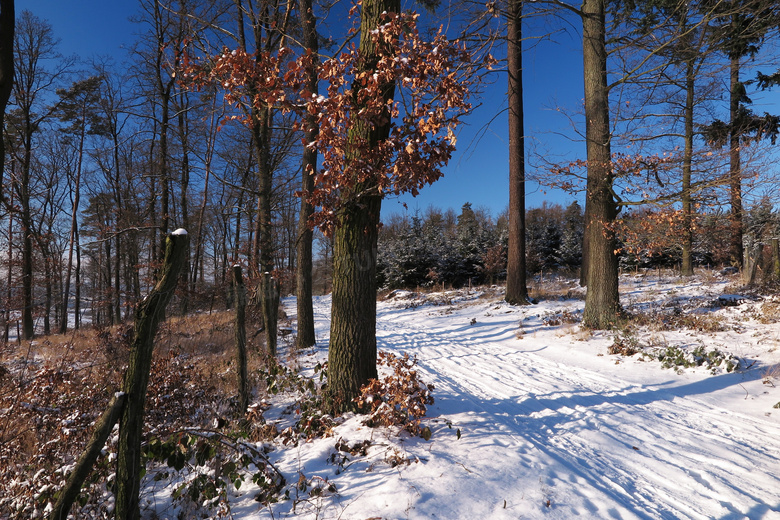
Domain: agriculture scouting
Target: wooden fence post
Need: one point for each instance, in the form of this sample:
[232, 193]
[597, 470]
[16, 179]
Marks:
[147, 318]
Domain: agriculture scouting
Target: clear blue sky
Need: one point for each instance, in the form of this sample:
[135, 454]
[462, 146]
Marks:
[478, 173]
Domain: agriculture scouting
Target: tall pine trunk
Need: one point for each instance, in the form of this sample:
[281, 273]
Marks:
[602, 301]
[352, 350]
[306, 337]
[516, 290]
[687, 202]
[736, 249]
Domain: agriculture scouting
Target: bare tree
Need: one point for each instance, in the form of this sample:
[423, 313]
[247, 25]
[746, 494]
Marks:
[34, 47]
[77, 108]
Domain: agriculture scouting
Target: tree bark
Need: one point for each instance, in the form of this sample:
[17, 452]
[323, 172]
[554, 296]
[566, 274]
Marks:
[148, 315]
[73, 228]
[516, 289]
[736, 249]
[239, 290]
[306, 337]
[602, 301]
[7, 25]
[261, 127]
[28, 325]
[687, 202]
[352, 350]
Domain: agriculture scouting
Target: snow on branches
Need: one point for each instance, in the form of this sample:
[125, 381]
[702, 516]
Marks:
[431, 80]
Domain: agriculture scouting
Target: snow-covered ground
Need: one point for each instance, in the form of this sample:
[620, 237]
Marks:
[552, 426]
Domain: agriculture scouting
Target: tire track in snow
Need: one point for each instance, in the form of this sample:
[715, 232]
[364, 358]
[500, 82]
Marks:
[649, 451]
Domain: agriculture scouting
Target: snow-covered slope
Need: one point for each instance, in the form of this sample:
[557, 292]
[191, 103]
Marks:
[552, 426]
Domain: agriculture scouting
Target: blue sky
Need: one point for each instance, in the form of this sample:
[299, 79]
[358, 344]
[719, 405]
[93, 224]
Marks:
[478, 173]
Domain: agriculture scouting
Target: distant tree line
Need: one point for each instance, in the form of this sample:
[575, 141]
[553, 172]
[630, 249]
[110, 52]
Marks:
[442, 248]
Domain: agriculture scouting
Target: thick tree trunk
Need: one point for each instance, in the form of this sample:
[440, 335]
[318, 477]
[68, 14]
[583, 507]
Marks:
[352, 350]
[261, 122]
[306, 337]
[7, 25]
[240, 339]
[148, 314]
[602, 301]
[687, 202]
[736, 249]
[516, 290]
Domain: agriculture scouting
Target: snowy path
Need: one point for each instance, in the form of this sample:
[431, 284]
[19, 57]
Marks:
[592, 444]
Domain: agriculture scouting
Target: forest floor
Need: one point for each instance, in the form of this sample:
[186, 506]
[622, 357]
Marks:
[670, 416]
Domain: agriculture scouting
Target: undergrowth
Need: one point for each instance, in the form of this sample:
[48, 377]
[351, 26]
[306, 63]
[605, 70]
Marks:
[398, 399]
[671, 356]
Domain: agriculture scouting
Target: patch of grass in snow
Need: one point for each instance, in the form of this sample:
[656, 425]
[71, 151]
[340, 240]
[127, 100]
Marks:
[678, 358]
[625, 343]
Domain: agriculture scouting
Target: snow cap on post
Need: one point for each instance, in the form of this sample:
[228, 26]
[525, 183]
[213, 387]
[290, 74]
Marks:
[180, 231]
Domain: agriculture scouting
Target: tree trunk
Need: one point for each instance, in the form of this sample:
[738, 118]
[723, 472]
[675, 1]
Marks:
[73, 230]
[687, 203]
[148, 315]
[306, 337]
[240, 337]
[9, 275]
[165, 211]
[28, 325]
[602, 301]
[183, 198]
[261, 123]
[49, 297]
[516, 290]
[77, 289]
[210, 142]
[735, 170]
[269, 289]
[352, 350]
[7, 25]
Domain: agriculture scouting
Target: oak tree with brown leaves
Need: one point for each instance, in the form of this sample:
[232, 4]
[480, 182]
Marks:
[386, 126]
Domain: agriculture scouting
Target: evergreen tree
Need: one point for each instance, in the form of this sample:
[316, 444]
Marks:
[570, 251]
